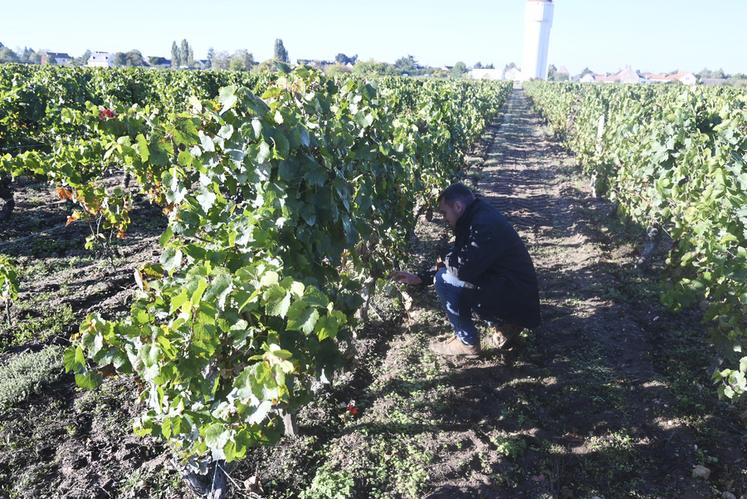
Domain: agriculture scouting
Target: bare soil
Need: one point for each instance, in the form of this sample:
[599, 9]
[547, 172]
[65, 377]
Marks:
[609, 397]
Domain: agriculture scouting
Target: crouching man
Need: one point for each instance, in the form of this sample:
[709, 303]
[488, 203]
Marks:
[488, 272]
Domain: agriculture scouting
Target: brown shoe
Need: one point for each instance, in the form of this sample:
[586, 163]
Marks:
[454, 346]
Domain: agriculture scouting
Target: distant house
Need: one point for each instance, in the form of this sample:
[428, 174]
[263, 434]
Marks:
[101, 60]
[587, 78]
[627, 75]
[676, 77]
[485, 74]
[685, 78]
[656, 77]
[513, 74]
[56, 58]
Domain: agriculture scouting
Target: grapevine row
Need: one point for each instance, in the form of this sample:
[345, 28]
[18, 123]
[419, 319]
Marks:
[674, 159]
[283, 208]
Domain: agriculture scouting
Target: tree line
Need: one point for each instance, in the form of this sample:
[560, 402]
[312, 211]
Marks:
[182, 56]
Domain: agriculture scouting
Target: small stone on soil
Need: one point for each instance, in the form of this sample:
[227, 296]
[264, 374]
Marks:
[701, 472]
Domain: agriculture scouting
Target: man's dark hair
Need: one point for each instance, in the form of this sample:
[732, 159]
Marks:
[456, 192]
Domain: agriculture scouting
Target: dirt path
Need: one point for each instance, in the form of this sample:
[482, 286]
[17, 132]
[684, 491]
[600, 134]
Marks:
[609, 398]
[599, 419]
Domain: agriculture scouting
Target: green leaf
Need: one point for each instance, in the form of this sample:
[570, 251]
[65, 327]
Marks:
[728, 392]
[264, 154]
[314, 173]
[260, 413]
[171, 259]
[315, 298]
[216, 438]
[202, 285]
[364, 120]
[166, 427]
[257, 127]
[179, 300]
[73, 359]
[207, 143]
[227, 98]
[236, 449]
[301, 317]
[206, 198]
[326, 327]
[226, 131]
[277, 301]
[308, 213]
[142, 148]
[219, 289]
[287, 170]
[269, 278]
[282, 146]
[297, 288]
[88, 380]
[150, 354]
[166, 236]
[185, 158]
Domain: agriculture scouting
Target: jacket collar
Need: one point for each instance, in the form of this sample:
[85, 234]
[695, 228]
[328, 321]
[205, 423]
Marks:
[466, 217]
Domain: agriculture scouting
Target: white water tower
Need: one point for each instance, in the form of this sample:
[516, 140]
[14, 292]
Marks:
[537, 24]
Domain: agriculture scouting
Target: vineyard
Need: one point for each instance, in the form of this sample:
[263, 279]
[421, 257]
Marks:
[193, 273]
[674, 162]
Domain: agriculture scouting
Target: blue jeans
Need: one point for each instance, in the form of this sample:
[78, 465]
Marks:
[457, 299]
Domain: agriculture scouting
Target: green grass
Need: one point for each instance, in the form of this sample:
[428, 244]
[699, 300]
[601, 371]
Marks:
[48, 323]
[27, 373]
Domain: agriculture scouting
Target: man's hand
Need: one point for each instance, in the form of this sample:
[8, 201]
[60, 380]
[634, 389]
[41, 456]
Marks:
[440, 263]
[404, 277]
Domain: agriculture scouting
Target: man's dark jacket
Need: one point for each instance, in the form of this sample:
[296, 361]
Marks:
[489, 254]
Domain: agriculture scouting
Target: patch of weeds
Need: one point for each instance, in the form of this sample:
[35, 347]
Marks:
[329, 483]
[640, 288]
[161, 482]
[78, 261]
[612, 455]
[704, 458]
[28, 373]
[29, 438]
[684, 357]
[381, 466]
[596, 382]
[522, 411]
[613, 294]
[397, 412]
[43, 267]
[554, 449]
[484, 463]
[284, 467]
[49, 246]
[49, 322]
[30, 479]
[509, 446]
[105, 408]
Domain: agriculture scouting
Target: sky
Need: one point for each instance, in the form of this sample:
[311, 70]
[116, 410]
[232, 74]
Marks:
[604, 35]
